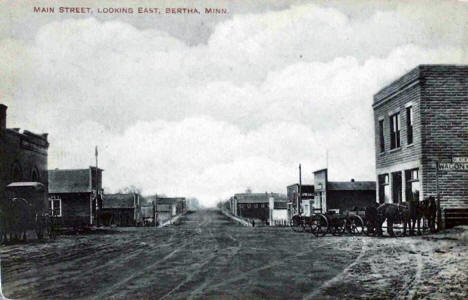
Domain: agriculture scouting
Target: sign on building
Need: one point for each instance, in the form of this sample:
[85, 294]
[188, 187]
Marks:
[457, 164]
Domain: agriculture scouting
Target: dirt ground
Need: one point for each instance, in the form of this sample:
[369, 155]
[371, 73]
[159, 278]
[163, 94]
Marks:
[208, 256]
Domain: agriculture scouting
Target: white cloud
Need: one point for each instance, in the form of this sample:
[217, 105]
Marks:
[266, 92]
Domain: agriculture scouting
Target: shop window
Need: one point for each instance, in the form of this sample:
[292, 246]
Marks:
[384, 188]
[413, 186]
[55, 206]
[409, 124]
[395, 131]
[381, 136]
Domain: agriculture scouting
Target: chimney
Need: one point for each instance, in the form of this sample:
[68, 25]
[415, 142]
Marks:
[352, 179]
[3, 116]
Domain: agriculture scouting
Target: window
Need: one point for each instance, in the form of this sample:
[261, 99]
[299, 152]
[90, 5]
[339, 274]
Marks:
[55, 206]
[381, 135]
[16, 173]
[35, 175]
[413, 187]
[384, 189]
[248, 205]
[395, 131]
[409, 124]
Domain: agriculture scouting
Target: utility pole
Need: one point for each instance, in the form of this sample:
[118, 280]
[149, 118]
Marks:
[299, 197]
[97, 187]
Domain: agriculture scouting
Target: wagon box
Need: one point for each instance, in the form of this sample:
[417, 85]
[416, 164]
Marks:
[24, 208]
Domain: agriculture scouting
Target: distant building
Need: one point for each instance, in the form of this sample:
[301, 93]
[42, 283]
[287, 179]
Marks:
[72, 194]
[23, 155]
[122, 209]
[421, 120]
[168, 207]
[340, 196]
[303, 202]
[256, 205]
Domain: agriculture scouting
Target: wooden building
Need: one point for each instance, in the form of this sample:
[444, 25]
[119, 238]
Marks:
[340, 196]
[122, 209]
[72, 195]
[256, 205]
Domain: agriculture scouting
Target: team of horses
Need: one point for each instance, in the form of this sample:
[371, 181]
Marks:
[409, 214]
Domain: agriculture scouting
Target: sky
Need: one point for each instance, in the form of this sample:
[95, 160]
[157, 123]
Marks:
[206, 106]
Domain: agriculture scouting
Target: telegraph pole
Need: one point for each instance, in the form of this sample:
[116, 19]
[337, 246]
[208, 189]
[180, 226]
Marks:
[97, 187]
[299, 197]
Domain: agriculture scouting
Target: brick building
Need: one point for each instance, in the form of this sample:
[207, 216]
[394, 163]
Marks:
[72, 194]
[23, 155]
[421, 119]
[340, 196]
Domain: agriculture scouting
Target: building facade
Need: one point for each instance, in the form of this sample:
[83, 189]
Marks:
[23, 155]
[122, 209]
[303, 201]
[257, 205]
[168, 207]
[72, 195]
[340, 196]
[421, 136]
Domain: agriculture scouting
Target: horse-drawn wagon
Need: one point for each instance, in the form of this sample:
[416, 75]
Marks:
[25, 208]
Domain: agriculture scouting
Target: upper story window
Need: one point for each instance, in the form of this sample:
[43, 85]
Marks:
[35, 175]
[16, 172]
[395, 131]
[381, 135]
[409, 124]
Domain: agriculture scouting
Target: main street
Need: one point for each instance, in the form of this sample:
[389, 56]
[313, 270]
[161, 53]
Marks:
[209, 256]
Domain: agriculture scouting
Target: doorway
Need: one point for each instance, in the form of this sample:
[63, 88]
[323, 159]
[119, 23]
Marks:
[397, 187]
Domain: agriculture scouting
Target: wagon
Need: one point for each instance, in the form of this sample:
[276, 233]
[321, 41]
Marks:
[352, 222]
[25, 208]
[320, 223]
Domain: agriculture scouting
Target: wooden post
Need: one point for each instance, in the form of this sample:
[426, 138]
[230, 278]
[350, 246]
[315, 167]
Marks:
[439, 211]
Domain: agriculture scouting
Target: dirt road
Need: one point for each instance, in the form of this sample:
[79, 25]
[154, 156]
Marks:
[208, 256]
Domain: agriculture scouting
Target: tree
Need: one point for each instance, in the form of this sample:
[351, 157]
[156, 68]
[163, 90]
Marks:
[130, 189]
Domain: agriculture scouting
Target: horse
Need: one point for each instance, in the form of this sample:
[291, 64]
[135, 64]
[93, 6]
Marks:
[393, 213]
[373, 221]
[428, 210]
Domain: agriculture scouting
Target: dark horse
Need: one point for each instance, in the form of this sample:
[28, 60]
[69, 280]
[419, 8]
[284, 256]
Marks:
[393, 213]
[407, 213]
[428, 210]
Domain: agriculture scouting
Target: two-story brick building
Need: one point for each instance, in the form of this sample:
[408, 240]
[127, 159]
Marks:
[421, 121]
[23, 155]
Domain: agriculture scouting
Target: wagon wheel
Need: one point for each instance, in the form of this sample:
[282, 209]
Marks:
[321, 225]
[356, 225]
[339, 228]
[369, 230]
[313, 226]
[297, 224]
